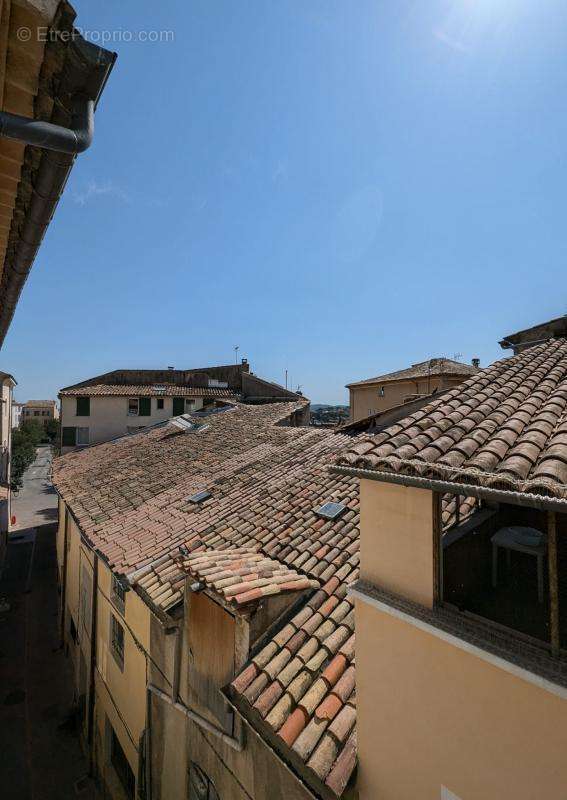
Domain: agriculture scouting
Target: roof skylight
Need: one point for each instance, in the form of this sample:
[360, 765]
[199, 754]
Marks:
[198, 497]
[330, 510]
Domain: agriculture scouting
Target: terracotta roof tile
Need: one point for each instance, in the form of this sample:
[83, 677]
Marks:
[130, 498]
[145, 390]
[504, 428]
[242, 576]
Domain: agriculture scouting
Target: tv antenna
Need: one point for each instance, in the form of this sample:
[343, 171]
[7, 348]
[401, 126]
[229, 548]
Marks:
[236, 349]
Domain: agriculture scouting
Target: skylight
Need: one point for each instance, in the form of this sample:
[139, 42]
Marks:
[330, 510]
[198, 497]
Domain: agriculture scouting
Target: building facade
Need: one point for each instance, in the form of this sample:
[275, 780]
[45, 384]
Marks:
[374, 395]
[125, 401]
[164, 654]
[39, 410]
[462, 635]
[16, 414]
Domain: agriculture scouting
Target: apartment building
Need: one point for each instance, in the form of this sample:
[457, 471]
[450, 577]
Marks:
[462, 634]
[374, 395]
[16, 414]
[40, 411]
[125, 401]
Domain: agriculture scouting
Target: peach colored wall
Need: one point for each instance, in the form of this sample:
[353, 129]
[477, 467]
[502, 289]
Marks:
[366, 400]
[431, 714]
[396, 539]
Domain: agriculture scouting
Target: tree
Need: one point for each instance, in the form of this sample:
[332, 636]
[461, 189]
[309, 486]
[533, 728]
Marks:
[52, 429]
[24, 442]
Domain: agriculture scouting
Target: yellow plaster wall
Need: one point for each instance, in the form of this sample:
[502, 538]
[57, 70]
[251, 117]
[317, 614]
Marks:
[433, 715]
[396, 539]
[366, 400]
[127, 687]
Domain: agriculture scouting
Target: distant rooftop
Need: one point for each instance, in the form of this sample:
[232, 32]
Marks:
[40, 403]
[423, 369]
[225, 381]
[553, 328]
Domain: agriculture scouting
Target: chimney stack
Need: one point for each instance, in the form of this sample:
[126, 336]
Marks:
[476, 362]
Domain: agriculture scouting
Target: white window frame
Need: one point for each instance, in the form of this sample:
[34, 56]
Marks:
[135, 413]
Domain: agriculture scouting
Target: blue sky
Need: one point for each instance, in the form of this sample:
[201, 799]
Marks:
[339, 187]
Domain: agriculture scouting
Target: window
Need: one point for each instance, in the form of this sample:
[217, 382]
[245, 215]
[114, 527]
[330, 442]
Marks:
[159, 403]
[85, 605]
[83, 407]
[133, 406]
[117, 641]
[73, 629]
[121, 766]
[118, 594]
[201, 786]
[69, 437]
[144, 406]
[190, 405]
[178, 406]
[82, 436]
[36, 413]
[381, 391]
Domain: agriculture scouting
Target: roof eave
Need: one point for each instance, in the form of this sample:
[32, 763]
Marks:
[541, 502]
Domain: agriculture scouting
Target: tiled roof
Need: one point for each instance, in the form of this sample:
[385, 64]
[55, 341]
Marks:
[154, 390]
[301, 685]
[423, 369]
[132, 500]
[40, 404]
[241, 576]
[504, 428]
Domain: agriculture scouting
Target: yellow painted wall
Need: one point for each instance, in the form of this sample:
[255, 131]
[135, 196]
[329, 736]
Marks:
[120, 694]
[396, 539]
[366, 400]
[128, 686]
[433, 715]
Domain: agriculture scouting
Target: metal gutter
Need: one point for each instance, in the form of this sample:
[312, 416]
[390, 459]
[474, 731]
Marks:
[83, 77]
[48, 136]
[467, 490]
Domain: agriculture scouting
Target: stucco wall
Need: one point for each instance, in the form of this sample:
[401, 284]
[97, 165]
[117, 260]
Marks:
[367, 400]
[396, 539]
[109, 416]
[433, 715]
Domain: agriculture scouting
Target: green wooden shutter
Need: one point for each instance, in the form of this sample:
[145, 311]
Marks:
[83, 406]
[144, 406]
[69, 437]
[178, 406]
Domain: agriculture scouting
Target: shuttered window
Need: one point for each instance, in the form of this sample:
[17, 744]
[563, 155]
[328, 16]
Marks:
[83, 406]
[144, 406]
[178, 406]
[69, 438]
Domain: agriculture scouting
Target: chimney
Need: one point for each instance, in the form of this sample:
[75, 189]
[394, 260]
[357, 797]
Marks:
[476, 362]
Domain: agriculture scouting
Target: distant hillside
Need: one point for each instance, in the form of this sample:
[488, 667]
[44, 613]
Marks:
[323, 406]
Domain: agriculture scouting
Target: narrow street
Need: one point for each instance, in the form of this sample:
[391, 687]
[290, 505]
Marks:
[40, 756]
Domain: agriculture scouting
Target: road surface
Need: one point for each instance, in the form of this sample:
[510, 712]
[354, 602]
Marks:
[40, 756]
[36, 502]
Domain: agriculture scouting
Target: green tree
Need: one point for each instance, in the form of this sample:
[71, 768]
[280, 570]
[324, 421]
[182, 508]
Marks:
[52, 429]
[24, 442]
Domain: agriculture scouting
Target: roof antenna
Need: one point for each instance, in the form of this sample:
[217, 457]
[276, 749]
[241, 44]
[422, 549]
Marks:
[236, 349]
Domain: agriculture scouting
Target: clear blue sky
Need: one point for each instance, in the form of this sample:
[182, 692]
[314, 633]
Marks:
[339, 187]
